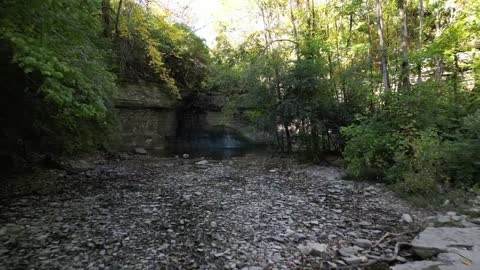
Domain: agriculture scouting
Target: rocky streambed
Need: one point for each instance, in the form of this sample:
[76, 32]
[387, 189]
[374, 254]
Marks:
[252, 213]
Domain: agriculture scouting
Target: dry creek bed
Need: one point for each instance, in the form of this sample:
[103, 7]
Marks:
[143, 212]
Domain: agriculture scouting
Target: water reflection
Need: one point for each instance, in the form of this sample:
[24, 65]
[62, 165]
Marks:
[212, 152]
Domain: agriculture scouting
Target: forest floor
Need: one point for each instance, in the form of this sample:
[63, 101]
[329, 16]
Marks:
[253, 212]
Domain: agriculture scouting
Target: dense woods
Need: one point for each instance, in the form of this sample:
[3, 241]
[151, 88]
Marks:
[390, 85]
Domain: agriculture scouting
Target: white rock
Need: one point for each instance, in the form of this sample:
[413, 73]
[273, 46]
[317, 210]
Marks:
[444, 219]
[407, 218]
[355, 260]
[140, 151]
[363, 243]
[202, 162]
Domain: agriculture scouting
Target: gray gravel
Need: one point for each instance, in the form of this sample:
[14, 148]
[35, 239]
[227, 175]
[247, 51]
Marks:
[154, 213]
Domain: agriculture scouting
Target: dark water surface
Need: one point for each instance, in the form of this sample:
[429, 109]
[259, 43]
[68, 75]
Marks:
[218, 153]
[214, 143]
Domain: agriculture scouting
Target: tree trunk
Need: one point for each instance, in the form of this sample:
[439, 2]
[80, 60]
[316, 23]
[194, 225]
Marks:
[117, 19]
[106, 18]
[419, 46]
[370, 55]
[295, 34]
[438, 58]
[383, 52]
[404, 70]
[350, 25]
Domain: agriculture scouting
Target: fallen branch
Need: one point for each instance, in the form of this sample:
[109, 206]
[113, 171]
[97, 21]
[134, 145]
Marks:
[392, 234]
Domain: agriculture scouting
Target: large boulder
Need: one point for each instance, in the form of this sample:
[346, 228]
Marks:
[433, 241]
[449, 248]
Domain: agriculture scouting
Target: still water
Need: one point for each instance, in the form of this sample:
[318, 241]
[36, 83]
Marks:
[218, 143]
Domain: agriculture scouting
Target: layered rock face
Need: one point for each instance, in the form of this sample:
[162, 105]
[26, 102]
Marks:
[146, 115]
[151, 119]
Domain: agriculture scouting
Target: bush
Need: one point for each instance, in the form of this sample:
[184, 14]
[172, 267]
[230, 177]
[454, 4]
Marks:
[424, 141]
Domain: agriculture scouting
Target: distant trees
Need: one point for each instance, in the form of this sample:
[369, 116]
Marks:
[392, 99]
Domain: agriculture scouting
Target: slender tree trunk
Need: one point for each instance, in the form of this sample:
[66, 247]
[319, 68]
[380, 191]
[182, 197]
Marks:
[439, 60]
[370, 54]
[420, 39]
[287, 135]
[117, 19]
[404, 70]
[314, 23]
[349, 40]
[295, 34]
[106, 18]
[438, 68]
[383, 51]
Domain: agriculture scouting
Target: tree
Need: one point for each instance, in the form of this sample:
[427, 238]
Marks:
[405, 69]
[383, 50]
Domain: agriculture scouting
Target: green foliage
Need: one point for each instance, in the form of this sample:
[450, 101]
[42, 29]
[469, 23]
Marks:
[59, 40]
[417, 141]
[152, 48]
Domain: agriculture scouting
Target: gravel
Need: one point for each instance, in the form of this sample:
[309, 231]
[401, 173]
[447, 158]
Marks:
[157, 213]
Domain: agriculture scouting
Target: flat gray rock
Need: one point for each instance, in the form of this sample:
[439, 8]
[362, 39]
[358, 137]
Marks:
[437, 240]
[347, 252]
[140, 151]
[455, 260]
[363, 243]
[317, 249]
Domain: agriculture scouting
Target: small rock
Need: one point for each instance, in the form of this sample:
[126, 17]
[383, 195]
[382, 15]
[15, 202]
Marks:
[278, 239]
[304, 249]
[332, 264]
[185, 156]
[442, 219]
[317, 249]
[213, 224]
[202, 162]
[365, 224]
[363, 243]
[81, 165]
[355, 260]
[407, 218]
[297, 237]
[140, 151]
[347, 251]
